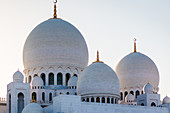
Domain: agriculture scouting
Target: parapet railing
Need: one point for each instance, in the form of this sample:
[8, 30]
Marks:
[2, 99]
[42, 102]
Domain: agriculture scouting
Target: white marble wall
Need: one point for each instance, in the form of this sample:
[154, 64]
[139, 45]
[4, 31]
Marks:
[14, 88]
[3, 108]
[73, 104]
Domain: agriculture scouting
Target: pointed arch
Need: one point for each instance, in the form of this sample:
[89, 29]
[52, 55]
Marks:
[34, 96]
[50, 97]
[121, 96]
[35, 75]
[51, 78]
[137, 93]
[103, 100]
[20, 103]
[43, 77]
[9, 103]
[125, 94]
[59, 79]
[43, 96]
[131, 92]
[98, 99]
[67, 78]
[153, 104]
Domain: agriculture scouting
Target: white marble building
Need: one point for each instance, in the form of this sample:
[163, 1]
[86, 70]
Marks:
[59, 80]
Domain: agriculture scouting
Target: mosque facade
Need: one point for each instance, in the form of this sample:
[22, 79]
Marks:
[57, 78]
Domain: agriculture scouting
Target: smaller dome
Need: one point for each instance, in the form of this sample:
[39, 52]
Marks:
[37, 81]
[98, 79]
[148, 88]
[166, 100]
[129, 98]
[33, 108]
[18, 76]
[73, 81]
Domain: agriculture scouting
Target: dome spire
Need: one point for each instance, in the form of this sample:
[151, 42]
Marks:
[55, 9]
[98, 58]
[97, 55]
[134, 44]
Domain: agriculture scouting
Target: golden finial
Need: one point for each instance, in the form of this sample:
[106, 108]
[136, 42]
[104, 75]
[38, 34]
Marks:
[33, 100]
[98, 58]
[55, 9]
[134, 44]
[97, 55]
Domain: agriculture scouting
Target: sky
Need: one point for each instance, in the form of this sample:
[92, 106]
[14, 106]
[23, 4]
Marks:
[107, 25]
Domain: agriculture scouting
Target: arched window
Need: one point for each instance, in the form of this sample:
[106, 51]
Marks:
[59, 79]
[9, 103]
[35, 75]
[29, 79]
[83, 99]
[112, 101]
[103, 100]
[92, 99]
[43, 77]
[20, 102]
[67, 78]
[137, 93]
[108, 100]
[142, 104]
[87, 100]
[115, 101]
[50, 97]
[67, 93]
[142, 92]
[131, 92]
[126, 93]
[51, 79]
[75, 75]
[43, 97]
[121, 95]
[153, 104]
[34, 96]
[98, 99]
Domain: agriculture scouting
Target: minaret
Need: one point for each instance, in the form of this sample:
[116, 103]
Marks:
[134, 45]
[55, 9]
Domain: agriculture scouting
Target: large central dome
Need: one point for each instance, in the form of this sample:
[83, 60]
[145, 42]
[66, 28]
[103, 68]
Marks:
[55, 42]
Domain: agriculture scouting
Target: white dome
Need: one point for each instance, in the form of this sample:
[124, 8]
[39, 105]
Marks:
[73, 81]
[98, 78]
[33, 108]
[18, 77]
[148, 88]
[166, 100]
[130, 98]
[37, 81]
[55, 42]
[135, 70]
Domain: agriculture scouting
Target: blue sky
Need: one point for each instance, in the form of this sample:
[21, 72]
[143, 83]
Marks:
[108, 26]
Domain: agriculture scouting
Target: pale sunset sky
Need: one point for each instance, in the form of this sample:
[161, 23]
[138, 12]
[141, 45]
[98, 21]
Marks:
[107, 25]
